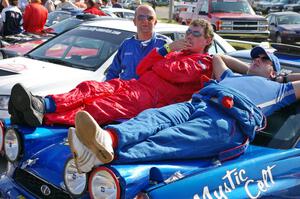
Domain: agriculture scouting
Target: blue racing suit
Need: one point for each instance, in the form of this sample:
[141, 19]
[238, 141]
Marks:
[203, 127]
[130, 53]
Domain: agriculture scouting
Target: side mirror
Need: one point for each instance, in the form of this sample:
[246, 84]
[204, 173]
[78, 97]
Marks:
[272, 24]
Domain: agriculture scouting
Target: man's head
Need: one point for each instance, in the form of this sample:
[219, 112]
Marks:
[200, 35]
[264, 63]
[145, 21]
[13, 2]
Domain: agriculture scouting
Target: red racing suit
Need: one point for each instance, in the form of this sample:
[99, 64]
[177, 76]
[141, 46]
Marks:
[163, 80]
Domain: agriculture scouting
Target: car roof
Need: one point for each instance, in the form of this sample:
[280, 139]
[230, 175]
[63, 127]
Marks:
[284, 13]
[118, 9]
[123, 24]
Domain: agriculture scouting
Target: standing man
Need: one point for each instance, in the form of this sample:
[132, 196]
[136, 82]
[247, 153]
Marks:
[115, 4]
[35, 17]
[12, 19]
[134, 49]
[93, 7]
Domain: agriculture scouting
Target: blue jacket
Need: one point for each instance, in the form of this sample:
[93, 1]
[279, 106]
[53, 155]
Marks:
[130, 53]
[247, 114]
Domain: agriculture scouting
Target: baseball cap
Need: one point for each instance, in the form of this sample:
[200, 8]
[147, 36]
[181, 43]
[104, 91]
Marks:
[258, 50]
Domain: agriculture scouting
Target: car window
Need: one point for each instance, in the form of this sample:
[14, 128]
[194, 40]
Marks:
[84, 47]
[65, 25]
[128, 15]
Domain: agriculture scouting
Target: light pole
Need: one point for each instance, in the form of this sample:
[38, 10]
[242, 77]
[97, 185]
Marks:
[171, 10]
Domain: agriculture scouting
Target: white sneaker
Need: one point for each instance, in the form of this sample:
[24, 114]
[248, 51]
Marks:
[84, 158]
[94, 137]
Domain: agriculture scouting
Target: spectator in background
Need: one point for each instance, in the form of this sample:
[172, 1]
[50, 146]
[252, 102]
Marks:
[3, 4]
[35, 17]
[22, 4]
[12, 19]
[80, 4]
[93, 7]
[134, 49]
[49, 4]
[115, 4]
[65, 4]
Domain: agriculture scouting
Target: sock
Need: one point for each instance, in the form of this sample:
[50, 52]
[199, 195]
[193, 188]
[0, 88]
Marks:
[114, 137]
[50, 105]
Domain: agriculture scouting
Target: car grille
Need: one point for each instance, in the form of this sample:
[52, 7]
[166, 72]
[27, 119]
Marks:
[34, 184]
[245, 25]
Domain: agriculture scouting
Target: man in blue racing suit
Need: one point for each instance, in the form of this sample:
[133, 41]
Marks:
[134, 49]
[220, 117]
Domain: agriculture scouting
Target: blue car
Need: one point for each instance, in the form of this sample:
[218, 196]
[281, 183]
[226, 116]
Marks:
[40, 165]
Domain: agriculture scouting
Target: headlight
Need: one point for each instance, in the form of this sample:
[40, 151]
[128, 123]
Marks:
[75, 182]
[1, 135]
[263, 22]
[103, 183]
[4, 102]
[12, 145]
[291, 32]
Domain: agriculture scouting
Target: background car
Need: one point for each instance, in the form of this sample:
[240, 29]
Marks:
[278, 5]
[60, 15]
[264, 6]
[284, 27]
[119, 12]
[292, 7]
[20, 44]
[84, 53]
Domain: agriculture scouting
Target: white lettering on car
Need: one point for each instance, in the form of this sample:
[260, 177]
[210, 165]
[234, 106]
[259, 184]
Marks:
[235, 178]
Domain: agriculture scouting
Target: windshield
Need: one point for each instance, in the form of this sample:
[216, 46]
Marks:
[231, 7]
[289, 19]
[283, 129]
[65, 25]
[85, 47]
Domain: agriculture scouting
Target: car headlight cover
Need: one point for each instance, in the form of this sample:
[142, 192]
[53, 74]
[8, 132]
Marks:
[103, 183]
[1, 135]
[75, 182]
[4, 102]
[12, 145]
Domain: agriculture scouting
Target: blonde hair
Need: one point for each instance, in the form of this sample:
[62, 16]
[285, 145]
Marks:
[207, 30]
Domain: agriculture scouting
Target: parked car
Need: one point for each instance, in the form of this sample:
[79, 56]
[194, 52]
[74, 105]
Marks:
[295, 7]
[41, 166]
[119, 12]
[284, 27]
[17, 45]
[60, 15]
[264, 6]
[83, 53]
[177, 8]
[278, 6]
[230, 19]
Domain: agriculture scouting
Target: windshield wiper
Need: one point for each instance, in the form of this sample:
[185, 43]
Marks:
[57, 61]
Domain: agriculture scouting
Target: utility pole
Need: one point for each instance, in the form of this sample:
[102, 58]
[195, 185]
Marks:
[171, 10]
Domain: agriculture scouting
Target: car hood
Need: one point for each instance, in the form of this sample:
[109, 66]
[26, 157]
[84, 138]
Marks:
[40, 77]
[237, 16]
[22, 48]
[295, 27]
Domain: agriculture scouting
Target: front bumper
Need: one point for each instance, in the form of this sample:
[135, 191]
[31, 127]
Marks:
[9, 189]
[255, 36]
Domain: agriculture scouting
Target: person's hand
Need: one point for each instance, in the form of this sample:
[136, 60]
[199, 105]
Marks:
[178, 45]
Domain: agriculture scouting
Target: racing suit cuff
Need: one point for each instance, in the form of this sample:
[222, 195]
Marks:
[163, 51]
[50, 105]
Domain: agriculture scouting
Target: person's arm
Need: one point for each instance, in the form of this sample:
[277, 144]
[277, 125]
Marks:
[115, 68]
[235, 64]
[219, 66]
[296, 86]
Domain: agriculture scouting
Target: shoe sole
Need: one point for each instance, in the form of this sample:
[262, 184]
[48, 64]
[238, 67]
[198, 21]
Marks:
[22, 102]
[86, 130]
[77, 161]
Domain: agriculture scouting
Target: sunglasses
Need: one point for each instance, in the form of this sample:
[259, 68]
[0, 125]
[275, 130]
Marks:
[194, 33]
[263, 58]
[145, 17]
